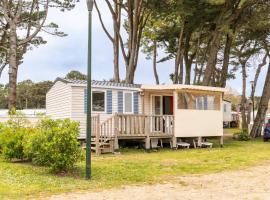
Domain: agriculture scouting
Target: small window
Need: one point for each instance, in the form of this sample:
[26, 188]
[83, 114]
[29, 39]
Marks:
[198, 101]
[98, 101]
[128, 102]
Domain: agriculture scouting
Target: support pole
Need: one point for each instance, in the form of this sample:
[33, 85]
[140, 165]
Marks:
[88, 115]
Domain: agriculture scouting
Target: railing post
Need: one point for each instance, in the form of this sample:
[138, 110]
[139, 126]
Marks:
[97, 135]
[147, 131]
[116, 131]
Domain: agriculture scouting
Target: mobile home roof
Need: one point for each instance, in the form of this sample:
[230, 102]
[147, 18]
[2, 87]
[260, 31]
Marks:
[182, 87]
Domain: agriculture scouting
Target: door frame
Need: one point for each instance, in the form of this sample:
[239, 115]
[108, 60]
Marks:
[161, 102]
[152, 110]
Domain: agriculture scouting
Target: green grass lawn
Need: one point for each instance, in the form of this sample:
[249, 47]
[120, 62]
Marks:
[22, 180]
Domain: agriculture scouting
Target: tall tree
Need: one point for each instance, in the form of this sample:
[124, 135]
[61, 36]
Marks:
[263, 106]
[115, 8]
[231, 11]
[25, 20]
[133, 25]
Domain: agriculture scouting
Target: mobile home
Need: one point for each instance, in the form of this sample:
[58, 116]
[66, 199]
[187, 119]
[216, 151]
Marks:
[227, 113]
[140, 112]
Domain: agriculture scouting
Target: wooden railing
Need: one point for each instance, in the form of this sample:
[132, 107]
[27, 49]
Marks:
[132, 125]
[124, 125]
[95, 125]
[142, 125]
[107, 129]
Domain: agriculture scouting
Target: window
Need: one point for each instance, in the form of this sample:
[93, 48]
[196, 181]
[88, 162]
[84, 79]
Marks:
[225, 107]
[157, 105]
[128, 102]
[98, 101]
[198, 101]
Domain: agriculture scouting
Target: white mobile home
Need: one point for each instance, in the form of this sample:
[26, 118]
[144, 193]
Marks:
[142, 112]
[227, 112]
[67, 99]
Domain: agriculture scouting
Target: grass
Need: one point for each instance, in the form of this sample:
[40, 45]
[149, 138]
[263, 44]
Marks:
[22, 180]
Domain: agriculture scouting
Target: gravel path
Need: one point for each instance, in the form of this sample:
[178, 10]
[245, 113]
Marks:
[251, 183]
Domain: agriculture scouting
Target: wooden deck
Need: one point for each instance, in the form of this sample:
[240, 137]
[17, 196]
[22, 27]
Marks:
[130, 127]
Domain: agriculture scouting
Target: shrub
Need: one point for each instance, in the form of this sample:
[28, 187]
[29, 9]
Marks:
[54, 144]
[11, 142]
[242, 136]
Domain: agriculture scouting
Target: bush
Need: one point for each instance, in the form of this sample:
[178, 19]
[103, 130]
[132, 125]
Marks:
[242, 136]
[54, 144]
[11, 142]
[11, 136]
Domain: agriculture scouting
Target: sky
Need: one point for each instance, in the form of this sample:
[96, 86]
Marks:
[60, 55]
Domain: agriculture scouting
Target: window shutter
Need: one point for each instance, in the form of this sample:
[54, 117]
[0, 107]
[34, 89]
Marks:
[85, 101]
[109, 101]
[136, 102]
[120, 101]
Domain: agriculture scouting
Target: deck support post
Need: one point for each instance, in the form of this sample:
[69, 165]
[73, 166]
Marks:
[174, 141]
[221, 141]
[116, 144]
[199, 142]
[147, 131]
[147, 142]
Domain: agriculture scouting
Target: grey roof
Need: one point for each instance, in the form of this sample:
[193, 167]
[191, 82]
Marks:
[99, 83]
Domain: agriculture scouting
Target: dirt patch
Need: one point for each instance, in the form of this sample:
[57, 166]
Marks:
[252, 183]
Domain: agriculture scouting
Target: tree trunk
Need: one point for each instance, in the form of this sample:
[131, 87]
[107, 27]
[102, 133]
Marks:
[263, 106]
[137, 20]
[189, 61]
[117, 25]
[12, 67]
[203, 60]
[116, 61]
[181, 68]
[211, 61]
[226, 59]
[243, 99]
[179, 56]
[155, 63]
[257, 74]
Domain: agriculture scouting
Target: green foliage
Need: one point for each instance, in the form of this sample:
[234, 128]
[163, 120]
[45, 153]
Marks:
[242, 135]
[29, 94]
[11, 141]
[3, 96]
[54, 144]
[76, 75]
[50, 143]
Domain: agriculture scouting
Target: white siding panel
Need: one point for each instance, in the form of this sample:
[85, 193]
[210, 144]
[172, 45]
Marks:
[78, 106]
[227, 115]
[78, 113]
[58, 101]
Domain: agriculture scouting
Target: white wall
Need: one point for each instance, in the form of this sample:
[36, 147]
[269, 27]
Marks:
[227, 116]
[58, 101]
[196, 123]
[78, 112]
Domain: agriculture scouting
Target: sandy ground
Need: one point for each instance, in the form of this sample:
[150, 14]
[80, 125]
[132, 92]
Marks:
[251, 183]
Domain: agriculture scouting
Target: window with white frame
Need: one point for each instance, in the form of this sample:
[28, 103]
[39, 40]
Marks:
[98, 101]
[128, 102]
[198, 101]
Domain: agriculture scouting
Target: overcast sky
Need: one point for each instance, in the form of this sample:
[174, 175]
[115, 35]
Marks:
[60, 55]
